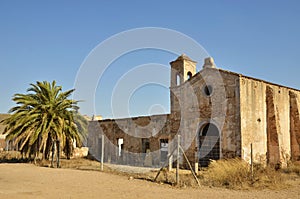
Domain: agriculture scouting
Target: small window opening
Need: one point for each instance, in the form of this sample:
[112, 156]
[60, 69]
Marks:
[120, 146]
[145, 145]
[164, 149]
[177, 80]
[208, 90]
[189, 75]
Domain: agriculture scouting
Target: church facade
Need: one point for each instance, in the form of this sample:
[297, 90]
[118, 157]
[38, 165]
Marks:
[217, 113]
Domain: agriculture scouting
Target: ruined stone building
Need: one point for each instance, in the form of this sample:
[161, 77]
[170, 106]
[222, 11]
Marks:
[218, 114]
[4, 145]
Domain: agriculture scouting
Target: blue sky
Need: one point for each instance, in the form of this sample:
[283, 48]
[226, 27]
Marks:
[49, 41]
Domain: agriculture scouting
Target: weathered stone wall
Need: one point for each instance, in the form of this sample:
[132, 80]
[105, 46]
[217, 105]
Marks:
[231, 130]
[253, 119]
[281, 110]
[265, 120]
[132, 131]
[2, 136]
[221, 108]
[295, 125]
[80, 152]
[273, 151]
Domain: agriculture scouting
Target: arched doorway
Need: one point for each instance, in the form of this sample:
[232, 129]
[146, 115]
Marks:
[209, 144]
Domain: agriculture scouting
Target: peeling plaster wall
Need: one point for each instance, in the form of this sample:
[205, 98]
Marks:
[295, 125]
[253, 119]
[282, 119]
[265, 121]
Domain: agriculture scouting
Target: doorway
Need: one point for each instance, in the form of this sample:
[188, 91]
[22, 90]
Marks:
[209, 144]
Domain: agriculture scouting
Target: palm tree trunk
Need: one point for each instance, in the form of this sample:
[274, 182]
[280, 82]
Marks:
[35, 151]
[68, 148]
[49, 144]
[53, 151]
[58, 153]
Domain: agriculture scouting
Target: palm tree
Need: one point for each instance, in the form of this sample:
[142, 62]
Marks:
[45, 119]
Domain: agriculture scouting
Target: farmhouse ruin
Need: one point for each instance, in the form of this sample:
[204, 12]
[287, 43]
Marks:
[218, 114]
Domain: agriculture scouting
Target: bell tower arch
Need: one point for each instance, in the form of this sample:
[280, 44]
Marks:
[182, 69]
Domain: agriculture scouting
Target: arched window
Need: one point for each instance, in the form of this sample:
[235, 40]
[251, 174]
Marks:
[210, 130]
[208, 90]
[189, 75]
[177, 80]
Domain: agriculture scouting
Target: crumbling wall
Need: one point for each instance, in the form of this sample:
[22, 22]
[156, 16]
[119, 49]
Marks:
[3, 143]
[294, 125]
[272, 128]
[220, 107]
[265, 121]
[253, 119]
[231, 130]
[132, 131]
[282, 118]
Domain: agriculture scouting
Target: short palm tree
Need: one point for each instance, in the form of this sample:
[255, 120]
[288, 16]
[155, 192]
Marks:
[45, 119]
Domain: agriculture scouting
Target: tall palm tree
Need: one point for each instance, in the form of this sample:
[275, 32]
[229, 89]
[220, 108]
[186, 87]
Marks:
[44, 119]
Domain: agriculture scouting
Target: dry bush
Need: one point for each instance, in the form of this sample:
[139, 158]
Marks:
[229, 173]
[293, 167]
[12, 157]
[76, 163]
[267, 177]
[236, 174]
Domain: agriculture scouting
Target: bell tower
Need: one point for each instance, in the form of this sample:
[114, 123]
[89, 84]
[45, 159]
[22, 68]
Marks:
[182, 69]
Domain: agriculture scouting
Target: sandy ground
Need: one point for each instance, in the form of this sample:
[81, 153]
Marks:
[29, 181]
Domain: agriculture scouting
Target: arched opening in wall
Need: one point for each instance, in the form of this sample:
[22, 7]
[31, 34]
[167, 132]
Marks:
[209, 144]
[189, 75]
[177, 80]
[208, 90]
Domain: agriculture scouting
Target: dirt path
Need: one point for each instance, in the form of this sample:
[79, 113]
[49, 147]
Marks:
[29, 181]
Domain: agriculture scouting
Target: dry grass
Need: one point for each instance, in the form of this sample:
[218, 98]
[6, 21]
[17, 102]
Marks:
[12, 157]
[230, 173]
[236, 174]
[268, 177]
[293, 167]
[167, 177]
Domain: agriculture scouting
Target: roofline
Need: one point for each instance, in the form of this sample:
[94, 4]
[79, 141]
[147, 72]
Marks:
[256, 79]
[237, 74]
[133, 118]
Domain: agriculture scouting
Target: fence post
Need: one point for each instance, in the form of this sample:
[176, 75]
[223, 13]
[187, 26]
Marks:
[196, 162]
[102, 151]
[170, 162]
[177, 166]
[251, 161]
